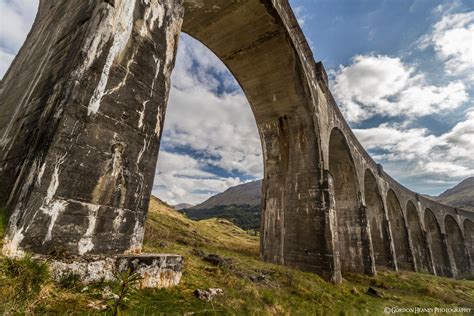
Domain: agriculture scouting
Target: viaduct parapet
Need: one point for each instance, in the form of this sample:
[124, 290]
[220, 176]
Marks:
[82, 109]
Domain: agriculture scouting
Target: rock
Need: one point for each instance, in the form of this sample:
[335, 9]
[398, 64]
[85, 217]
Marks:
[258, 278]
[197, 252]
[156, 270]
[374, 293]
[218, 260]
[208, 295]
[182, 241]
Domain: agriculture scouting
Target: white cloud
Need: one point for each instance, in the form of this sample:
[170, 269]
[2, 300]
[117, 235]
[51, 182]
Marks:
[447, 156]
[5, 61]
[301, 14]
[383, 85]
[16, 21]
[181, 178]
[453, 40]
[207, 114]
[220, 125]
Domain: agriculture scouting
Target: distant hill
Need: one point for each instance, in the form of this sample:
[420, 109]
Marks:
[461, 195]
[247, 193]
[239, 204]
[182, 206]
[245, 216]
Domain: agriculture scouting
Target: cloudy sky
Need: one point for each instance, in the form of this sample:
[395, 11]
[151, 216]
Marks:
[401, 71]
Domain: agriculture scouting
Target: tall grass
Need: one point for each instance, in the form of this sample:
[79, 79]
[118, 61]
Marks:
[21, 282]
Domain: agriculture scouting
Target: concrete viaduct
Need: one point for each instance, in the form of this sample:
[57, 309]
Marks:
[81, 116]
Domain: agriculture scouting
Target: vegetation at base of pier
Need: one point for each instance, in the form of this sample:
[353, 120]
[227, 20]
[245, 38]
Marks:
[249, 285]
[3, 224]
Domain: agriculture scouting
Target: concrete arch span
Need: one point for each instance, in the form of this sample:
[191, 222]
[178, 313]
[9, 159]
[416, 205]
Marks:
[83, 106]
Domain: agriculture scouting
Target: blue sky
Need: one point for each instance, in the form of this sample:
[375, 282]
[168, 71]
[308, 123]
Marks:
[402, 72]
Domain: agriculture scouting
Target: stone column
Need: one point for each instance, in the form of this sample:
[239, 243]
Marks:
[411, 254]
[367, 248]
[82, 114]
[430, 252]
[448, 251]
[331, 232]
[390, 236]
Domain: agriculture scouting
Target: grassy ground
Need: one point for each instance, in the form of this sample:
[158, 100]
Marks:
[251, 287]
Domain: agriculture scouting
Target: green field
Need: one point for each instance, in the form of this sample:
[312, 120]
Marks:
[250, 286]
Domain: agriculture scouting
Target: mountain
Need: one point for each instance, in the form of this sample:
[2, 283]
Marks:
[239, 204]
[461, 195]
[243, 194]
[182, 206]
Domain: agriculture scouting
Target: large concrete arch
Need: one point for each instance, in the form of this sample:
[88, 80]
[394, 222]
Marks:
[418, 238]
[438, 245]
[263, 61]
[81, 117]
[379, 231]
[456, 244]
[399, 232]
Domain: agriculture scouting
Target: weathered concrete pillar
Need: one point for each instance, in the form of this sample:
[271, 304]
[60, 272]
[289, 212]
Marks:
[430, 252]
[82, 114]
[411, 253]
[293, 217]
[469, 257]
[451, 268]
[390, 238]
[367, 248]
[331, 231]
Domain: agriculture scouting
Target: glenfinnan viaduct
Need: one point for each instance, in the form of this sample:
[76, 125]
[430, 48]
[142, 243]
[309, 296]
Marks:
[81, 116]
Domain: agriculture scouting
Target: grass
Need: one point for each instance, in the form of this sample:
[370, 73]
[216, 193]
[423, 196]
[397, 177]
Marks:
[3, 224]
[251, 287]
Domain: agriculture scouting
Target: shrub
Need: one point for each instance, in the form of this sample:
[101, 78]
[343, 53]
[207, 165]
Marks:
[124, 288]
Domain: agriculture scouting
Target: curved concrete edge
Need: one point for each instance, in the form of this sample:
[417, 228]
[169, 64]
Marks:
[156, 270]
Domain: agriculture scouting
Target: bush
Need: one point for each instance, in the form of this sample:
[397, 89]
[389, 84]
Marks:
[124, 288]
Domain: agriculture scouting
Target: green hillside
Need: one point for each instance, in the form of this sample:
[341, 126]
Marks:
[245, 216]
[250, 286]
